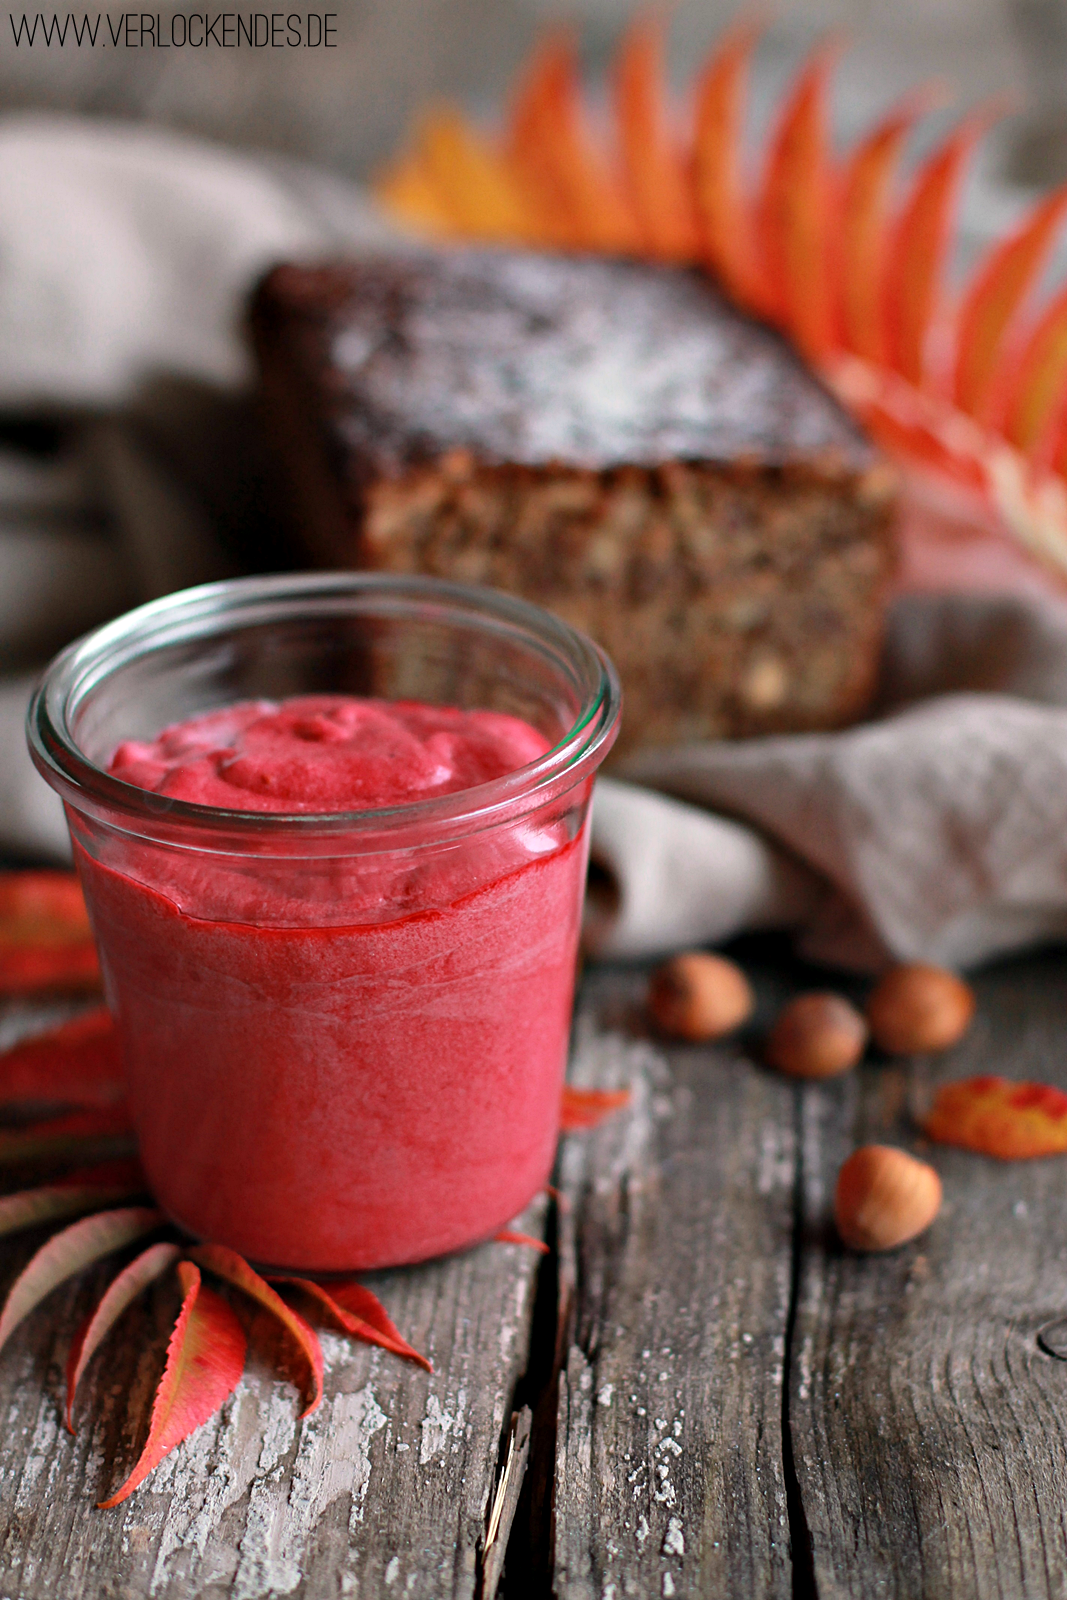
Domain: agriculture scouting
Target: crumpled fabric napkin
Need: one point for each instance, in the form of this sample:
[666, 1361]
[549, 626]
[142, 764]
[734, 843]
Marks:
[937, 830]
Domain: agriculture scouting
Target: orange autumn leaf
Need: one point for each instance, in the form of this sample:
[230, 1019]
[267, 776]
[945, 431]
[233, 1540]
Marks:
[407, 189]
[864, 231]
[477, 191]
[45, 938]
[558, 163]
[796, 212]
[1013, 1121]
[726, 218]
[659, 183]
[993, 297]
[356, 1309]
[227, 1264]
[76, 1063]
[582, 1109]
[205, 1360]
[920, 247]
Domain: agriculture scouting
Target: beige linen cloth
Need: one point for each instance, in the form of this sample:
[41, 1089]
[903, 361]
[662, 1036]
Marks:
[938, 829]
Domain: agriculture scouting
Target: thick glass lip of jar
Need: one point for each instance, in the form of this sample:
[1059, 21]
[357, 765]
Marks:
[204, 612]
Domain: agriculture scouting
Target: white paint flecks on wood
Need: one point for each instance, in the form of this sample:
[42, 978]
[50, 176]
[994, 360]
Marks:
[676, 1250]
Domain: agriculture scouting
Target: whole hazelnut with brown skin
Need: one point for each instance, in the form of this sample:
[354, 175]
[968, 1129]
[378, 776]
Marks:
[917, 1008]
[884, 1197]
[816, 1036]
[699, 996]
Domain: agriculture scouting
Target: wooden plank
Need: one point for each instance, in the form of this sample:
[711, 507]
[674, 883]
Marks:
[669, 1461]
[929, 1427]
[385, 1491]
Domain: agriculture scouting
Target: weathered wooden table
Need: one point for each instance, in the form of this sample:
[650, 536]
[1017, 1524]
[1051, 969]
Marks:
[698, 1392]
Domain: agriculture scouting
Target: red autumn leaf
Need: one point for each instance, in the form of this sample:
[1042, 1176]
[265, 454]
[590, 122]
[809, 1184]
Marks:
[994, 294]
[359, 1312]
[581, 1109]
[75, 1064]
[660, 186]
[796, 212]
[550, 149]
[67, 1253]
[83, 1135]
[865, 187]
[45, 938]
[726, 218]
[205, 1360]
[1013, 1121]
[513, 1236]
[226, 1263]
[122, 1292]
[30, 1207]
[920, 247]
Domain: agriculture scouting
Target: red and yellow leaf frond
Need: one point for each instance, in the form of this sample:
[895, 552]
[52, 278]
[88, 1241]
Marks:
[659, 181]
[992, 301]
[205, 1360]
[797, 210]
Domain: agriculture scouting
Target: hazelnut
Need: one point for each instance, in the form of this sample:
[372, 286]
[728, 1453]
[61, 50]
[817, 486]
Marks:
[884, 1197]
[816, 1036]
[699, 996]
[917, 1007]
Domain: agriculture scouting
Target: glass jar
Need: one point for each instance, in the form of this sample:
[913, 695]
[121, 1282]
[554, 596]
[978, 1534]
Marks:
[344, 1035]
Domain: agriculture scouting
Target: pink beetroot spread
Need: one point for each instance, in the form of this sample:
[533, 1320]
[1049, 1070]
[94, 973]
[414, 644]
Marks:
[327, 753]
[345, 1063]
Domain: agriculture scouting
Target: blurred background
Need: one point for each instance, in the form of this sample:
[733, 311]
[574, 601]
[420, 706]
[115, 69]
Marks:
[347, 106]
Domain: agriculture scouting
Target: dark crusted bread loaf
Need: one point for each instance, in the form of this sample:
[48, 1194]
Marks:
[612, 440]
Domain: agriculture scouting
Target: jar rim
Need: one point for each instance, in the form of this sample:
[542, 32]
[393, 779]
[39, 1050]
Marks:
[208, 609]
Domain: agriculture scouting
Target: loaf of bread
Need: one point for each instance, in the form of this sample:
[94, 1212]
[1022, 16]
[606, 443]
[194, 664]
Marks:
[612, 440]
